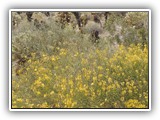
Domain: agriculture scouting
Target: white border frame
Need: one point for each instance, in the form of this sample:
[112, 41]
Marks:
[86, 10]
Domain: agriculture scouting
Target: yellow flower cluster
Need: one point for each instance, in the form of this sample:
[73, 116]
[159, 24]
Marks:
[85, 80]
[132, 103]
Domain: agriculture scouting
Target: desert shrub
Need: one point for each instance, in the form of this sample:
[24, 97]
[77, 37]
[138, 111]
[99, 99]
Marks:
[84, 79]
[16, 19]
[28, 39]
[128, 29]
